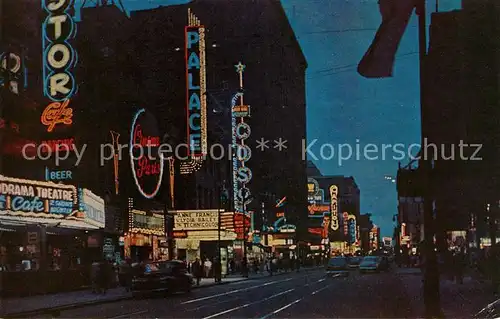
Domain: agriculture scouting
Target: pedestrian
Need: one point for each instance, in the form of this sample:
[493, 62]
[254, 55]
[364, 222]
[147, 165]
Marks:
[244, 265]
[197, 270]
[217, 270]
[207, 267]
[94, 275]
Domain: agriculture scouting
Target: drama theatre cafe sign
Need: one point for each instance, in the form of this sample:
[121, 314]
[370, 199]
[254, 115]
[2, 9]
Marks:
[19, 197]
[196, 220]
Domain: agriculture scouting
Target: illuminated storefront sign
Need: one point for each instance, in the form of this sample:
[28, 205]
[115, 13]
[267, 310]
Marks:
[146, 223]
[59, 175]
[196, 87]
[352, 229]
[345, 222]
[195, 219]
[145, 161]
[242, 175]
[315, 231]
[313, 190]
[93, 206]
[59, 58]
[25, 196]
[242, 225]
[334, 208]
[314, 209]
[49, 146]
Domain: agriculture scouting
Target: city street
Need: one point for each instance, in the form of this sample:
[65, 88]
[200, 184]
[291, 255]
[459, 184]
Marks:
[298, 295]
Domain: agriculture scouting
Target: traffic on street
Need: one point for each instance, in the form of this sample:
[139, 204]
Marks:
[305, 294]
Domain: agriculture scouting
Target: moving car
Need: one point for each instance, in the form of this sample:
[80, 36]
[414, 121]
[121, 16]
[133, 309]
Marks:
[168, 276]
[374, 264]
[337, 266]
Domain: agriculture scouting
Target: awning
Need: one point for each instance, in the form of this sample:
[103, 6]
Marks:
[8, 220]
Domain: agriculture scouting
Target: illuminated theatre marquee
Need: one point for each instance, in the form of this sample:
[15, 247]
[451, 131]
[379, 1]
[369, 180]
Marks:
[34, 198]
[196, 95]
[334, 191]
[59, 58]
[145, 160]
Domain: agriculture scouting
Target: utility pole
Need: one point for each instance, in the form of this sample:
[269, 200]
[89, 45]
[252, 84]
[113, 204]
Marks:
[431, 273]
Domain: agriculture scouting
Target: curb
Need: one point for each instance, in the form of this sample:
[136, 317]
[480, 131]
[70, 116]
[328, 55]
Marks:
[55, 310]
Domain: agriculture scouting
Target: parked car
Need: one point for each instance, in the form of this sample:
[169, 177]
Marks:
[374, 264]
[337, 266]
[354, 261]
[168, 276]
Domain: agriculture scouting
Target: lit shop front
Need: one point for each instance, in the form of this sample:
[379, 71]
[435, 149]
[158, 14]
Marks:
[145, 239]
[196, 234]
[43, 228]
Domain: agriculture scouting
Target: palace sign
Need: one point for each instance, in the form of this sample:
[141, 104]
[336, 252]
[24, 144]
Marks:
[196, 87]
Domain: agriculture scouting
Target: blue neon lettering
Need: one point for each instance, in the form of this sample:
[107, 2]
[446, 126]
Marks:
[20, 203]
[194, 142]
[192, 38]
[192, 125]
[194, 102]
[193, 61]
[190, 82]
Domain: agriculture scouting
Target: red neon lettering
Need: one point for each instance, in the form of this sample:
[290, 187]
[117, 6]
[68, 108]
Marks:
[141, 140]
[145, 168]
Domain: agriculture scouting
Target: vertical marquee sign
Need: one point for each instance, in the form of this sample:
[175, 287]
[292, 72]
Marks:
[145, 160]
[242, 175]
[334, 191]
[59, 58]
[196, 94]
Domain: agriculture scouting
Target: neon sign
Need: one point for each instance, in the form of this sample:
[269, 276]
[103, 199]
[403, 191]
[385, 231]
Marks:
[146, 223]
[57, 175]
[345, 221]
[67, 144]
[313, 209]
[334, 190]
[144, 139]
[196, 87]
[352, 229]
[12, 64]
[18, 196]
[242, 175]
[59, 58]
[57, 113]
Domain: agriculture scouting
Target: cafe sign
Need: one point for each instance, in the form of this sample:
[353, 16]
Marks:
[20, 196]
[196, 219]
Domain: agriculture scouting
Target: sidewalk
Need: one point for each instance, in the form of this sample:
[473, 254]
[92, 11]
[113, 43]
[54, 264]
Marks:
[29, 306]
[457, 300]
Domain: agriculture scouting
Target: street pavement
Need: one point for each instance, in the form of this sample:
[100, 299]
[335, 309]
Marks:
[295, 295]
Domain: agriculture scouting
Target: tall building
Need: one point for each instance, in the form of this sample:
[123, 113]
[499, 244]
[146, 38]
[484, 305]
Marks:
[462, 108]
[261, 39]
[334, 211]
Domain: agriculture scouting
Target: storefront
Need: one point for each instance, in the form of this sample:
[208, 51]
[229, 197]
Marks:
[44, 236]
[145, 239]
[196, 235]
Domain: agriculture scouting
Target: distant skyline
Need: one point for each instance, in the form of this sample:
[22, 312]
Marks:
[342, 106]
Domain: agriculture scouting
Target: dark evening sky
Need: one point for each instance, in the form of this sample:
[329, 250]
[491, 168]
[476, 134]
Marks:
[345, 108]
